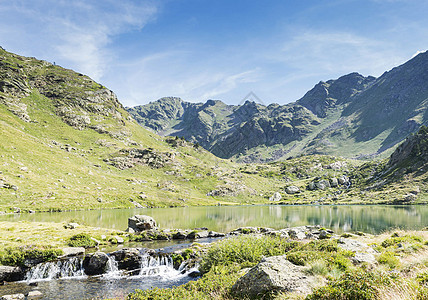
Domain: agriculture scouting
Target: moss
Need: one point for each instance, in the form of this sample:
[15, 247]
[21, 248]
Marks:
[81, 240]
[17, 256]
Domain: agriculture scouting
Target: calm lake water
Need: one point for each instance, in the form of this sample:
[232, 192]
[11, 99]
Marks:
[370, 219]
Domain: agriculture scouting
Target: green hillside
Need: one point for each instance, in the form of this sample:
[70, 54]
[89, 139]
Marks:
[67, 143]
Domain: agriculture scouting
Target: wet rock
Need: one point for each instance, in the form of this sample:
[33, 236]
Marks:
[215, 234]
[8, 273]
[128, 258]
[292, 190]
[274, 274]
[180, 235]
[95, 264]
[275, 197]
[141, 222]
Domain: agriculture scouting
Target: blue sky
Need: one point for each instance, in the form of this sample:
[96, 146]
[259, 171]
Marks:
[216, 49]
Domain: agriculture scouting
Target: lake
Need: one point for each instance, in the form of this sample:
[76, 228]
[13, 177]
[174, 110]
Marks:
[370, 219]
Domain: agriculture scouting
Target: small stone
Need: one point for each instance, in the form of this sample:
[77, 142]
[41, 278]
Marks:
[71, 226]
[13, 297]
[34, 295]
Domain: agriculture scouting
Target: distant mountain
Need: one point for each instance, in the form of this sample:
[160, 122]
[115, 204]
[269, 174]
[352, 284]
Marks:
[352, 116]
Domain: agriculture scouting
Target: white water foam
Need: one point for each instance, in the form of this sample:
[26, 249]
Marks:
[70, 268]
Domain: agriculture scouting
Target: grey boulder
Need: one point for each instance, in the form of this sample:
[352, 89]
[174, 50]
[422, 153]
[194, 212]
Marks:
[274, 274]
[140, 223]
[95, 264]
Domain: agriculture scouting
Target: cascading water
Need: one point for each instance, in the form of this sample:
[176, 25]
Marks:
[159, 265]
[65, 279]
[70, 268]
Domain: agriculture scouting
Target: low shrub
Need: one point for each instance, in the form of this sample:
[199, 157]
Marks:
[214, 284]
[81, 240]
[388, 258]
[244, 250]
[354, 285]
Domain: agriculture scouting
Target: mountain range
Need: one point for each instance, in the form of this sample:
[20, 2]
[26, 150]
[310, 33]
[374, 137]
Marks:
[353, 116]
[66, 142]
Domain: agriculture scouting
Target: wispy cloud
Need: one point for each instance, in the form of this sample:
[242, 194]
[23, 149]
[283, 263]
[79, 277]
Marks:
[77, 33]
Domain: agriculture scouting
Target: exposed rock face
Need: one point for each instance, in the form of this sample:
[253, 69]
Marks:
[353, 107]
[274, 274]
[95, 264]
[141, 222]
[77, 99]
[8, 273]
[128, 158]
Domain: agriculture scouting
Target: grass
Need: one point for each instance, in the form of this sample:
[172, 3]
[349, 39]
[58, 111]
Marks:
[21, 240]
[225, 261]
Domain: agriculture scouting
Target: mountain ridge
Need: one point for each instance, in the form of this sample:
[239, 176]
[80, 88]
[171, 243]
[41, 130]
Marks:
[353, 116]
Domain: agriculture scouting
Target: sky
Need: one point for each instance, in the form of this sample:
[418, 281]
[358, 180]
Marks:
[144, 50]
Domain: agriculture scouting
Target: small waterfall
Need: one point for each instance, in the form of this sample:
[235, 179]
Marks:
[112, 268]
[57, 269]
[159, 265]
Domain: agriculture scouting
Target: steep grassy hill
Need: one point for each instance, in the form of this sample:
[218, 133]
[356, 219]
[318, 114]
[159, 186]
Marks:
[353, 116]
[67, 143]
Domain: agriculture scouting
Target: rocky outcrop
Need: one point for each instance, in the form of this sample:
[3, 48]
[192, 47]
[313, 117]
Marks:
[129, 158]
[274, 274]
[140, 223]
[362, 252]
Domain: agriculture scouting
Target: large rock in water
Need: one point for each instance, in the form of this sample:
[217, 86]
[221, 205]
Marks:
[8, 273]
[95, 264]
[141, 222]
[274, 274]
[128, 258]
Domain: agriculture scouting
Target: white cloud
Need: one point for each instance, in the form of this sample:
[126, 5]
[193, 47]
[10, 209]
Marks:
[77, 33]
[339, 52]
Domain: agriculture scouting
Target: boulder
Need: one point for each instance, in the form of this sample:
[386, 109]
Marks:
[128, 258]
[311, 186]
[141, 222]
[322, 184]
[8, 273]
[275, 197]
[292, 189]
[363, 252]
[95, 264]
[274, 274]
